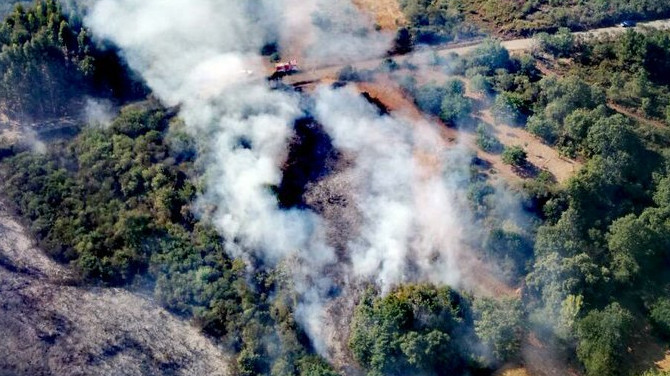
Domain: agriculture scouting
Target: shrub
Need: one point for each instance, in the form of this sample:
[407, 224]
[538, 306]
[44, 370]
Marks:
[507, 108]
[542, 128]
[454, 107]
[480, 84]
[490, 54]
[486, 139]
[660, 316]
[429, 98]
[515, 156]
[560, 44]
[498, 325]
[415, 329]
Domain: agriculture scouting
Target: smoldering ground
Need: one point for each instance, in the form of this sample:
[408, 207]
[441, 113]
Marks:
[409, 221]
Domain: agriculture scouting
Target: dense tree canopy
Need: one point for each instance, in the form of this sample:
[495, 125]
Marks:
[415, 329]
[48, 61]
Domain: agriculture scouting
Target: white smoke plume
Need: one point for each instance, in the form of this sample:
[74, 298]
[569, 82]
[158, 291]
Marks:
[198, 54]
[412, 224]
[98, 112]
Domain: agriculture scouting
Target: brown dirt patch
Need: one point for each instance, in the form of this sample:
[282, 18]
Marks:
[512, 371]
[664, 364]
[542, 359]
[635, 116]
[540, 155]
[386, 13]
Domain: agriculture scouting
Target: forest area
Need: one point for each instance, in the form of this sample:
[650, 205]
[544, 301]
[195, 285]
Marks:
[447, 20]
[591, 256]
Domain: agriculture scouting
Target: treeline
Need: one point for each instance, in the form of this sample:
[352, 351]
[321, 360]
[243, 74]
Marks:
[614, 210]
[48, 62]
[439, 21]
[630, 68]
[428, 330]
[435, 21]
[524, 18]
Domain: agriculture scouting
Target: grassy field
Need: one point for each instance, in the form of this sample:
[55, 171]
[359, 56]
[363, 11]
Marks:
[386, 13]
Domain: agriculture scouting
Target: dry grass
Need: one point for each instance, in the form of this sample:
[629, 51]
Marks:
[512, 371]
[386, 13]
[664, 364]
[540, 155]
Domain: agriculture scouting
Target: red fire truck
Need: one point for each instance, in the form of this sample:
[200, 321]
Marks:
[287, 67]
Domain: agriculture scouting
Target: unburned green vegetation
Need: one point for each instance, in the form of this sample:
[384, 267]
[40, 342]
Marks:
[448, 20]
[598, 270]
[428, 330]
[48, 61]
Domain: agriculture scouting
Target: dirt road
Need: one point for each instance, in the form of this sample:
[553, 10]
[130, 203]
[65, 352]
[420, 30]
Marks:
[315, 73]
[540, 155]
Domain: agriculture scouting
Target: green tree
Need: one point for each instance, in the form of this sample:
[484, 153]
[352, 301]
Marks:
[480, 84]
[486, 139]
[660, 315]
[508, 108]
[543, 128]
[48, 61]
[429, 98]
[455, 106]
[498, 324]
[414, 329]
[602, 340]
[655, 372]
[491, 55]
[560, 44]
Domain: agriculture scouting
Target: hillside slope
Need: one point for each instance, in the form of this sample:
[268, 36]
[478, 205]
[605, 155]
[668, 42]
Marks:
[52, 327]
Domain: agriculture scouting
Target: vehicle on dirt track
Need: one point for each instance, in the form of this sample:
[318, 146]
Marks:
[628, 23]
[287, 67]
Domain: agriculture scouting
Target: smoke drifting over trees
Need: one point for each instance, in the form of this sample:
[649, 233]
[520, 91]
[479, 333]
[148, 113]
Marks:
[297, 223]
[411, 227]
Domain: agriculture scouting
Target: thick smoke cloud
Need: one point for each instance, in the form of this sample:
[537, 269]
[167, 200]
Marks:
[202, 55]
[411, 228]
[197, 54]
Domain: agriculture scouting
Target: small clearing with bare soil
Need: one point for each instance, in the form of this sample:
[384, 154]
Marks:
[540, 155]
[386, 13]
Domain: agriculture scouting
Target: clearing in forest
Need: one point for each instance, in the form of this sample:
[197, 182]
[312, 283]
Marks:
[386, 13]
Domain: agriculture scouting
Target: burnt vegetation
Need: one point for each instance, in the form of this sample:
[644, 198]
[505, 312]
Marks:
[311, 157]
